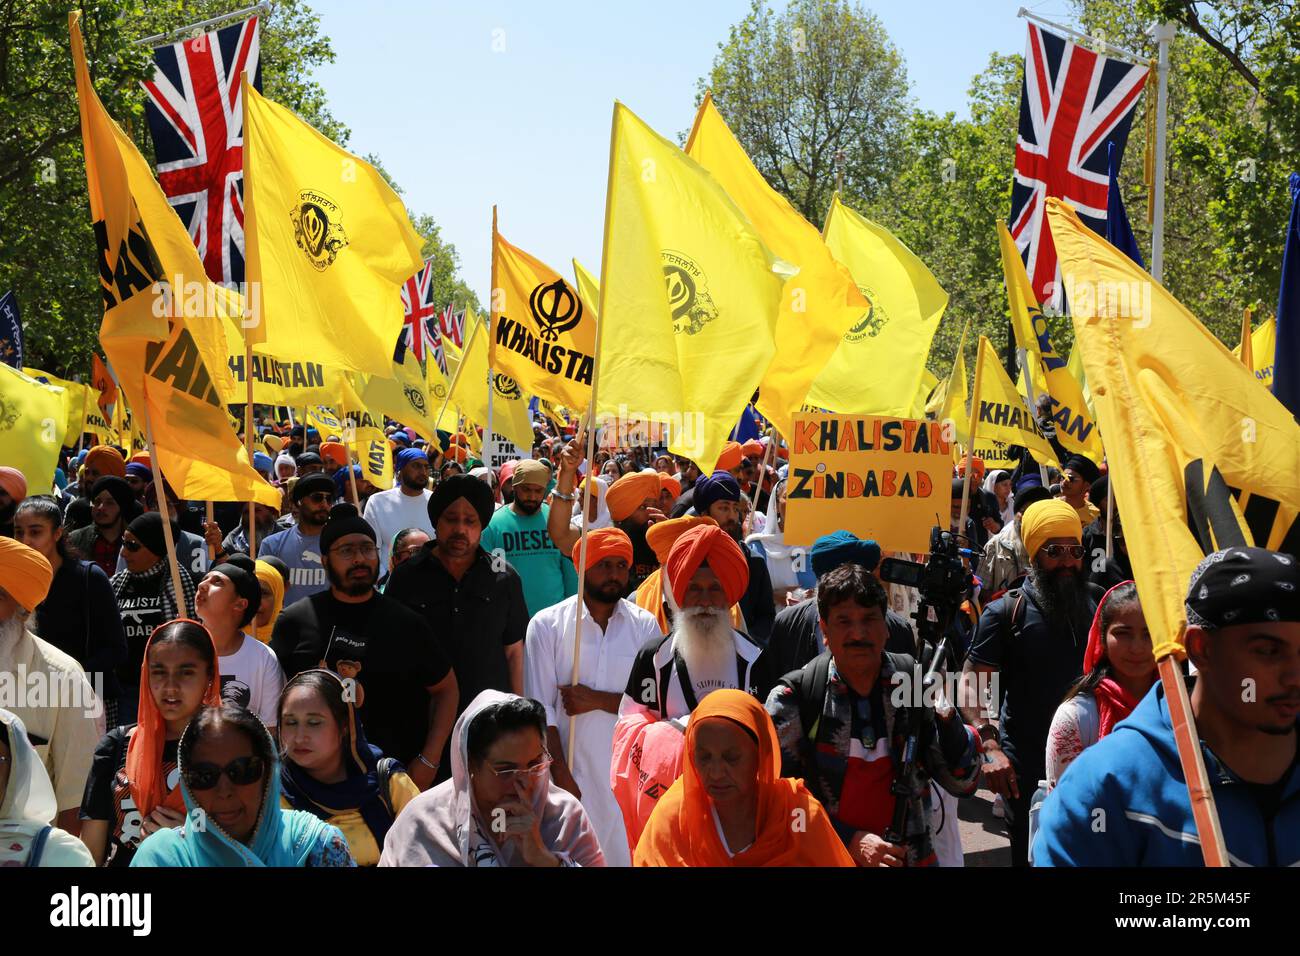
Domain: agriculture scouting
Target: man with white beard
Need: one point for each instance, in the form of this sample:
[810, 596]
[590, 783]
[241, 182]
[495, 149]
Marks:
[705, 574]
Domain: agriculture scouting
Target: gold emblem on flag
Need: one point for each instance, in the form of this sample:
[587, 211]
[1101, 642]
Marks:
[316, 228]
[415, 397]
[688, 295]
[506, 387]
[872, 322]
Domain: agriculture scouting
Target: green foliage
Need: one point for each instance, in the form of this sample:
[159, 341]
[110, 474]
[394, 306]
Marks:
[800, 88]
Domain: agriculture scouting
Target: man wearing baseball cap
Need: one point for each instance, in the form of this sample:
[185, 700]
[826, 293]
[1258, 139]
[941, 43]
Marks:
[405, 506]
[1243, 636]
[518, 531]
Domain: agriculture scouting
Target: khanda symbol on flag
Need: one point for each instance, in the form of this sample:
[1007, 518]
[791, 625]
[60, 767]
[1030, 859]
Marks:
[555, 309]
[506, 387]
[316, 228]
[688, 296]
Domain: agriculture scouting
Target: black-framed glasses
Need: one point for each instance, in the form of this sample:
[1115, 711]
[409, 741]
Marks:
[242, 771]
[1055, 551]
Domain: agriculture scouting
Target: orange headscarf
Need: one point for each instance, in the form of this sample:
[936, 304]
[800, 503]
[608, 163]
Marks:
[669, 483]
[334, 453]
[662, 535]
[108, 461]
[630, 492]
[601, 544]
[715, 547]
[144, 751]
[681, 830]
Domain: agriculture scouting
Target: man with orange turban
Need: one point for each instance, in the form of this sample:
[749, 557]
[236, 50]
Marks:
[633, 503]
[705, 573]
[13, 489]
[68, 720]
[100, 461]
[661, 537]
[613, 631]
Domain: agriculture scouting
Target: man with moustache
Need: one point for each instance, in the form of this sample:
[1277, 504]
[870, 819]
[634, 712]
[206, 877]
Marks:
[405, 689]
[472, 603]
[613, 630]
[299, 546]
[518, 531]
[406, 506]
[840, 725]
[705, 574]
[1243, 635]
[718, 497]
[1033, 639]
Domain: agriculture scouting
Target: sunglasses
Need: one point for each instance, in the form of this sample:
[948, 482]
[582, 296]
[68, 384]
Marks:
[1058, 550]
[132, 546]
[319, 497]
[242, 771]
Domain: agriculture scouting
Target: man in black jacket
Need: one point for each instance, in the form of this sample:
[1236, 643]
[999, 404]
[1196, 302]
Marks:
[796, 633]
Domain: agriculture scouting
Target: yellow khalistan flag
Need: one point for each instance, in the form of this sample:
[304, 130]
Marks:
[588, 286]
[893, 338]
[1185, 426]
[1002, 413]
[162, 317]
[1263, 343]
[33, 421]
[950, 403]
[75, 402]
[820, 304]
[1075, 428]
[327, 239]
[469, 392]
[411, 395]
[543, 333]
[929, 382]
[688, 295]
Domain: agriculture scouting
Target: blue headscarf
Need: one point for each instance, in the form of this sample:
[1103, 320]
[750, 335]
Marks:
[60, 479]
[719, 486]
[360, 791]
[280, 838]
[839, 547]
[341, 482]
[261, 461]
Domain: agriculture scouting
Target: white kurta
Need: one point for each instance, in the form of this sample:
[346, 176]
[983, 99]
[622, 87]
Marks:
[606, 662]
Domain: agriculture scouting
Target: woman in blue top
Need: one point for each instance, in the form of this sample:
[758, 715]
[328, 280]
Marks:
[230, 779]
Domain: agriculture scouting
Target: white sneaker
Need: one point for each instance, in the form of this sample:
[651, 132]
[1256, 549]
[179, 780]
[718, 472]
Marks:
[999, 807]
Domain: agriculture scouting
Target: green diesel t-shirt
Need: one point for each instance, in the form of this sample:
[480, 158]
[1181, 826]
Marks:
[547, 575]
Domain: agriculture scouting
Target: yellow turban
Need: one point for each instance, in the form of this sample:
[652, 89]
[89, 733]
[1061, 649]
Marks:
[1044, 520]
[630, 492]
[268, 575]
[24, 573]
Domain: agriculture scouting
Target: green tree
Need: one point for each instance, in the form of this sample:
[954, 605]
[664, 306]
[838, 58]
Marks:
[47, 247]
[815, 87]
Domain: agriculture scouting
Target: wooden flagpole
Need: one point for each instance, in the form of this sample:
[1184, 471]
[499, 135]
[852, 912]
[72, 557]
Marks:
[1023, 355]
[1204, 812]
[762, 472]
[351, 448]
[970, 453]
[248, 438]
[212, 550]
[181, 609]
[582, 544]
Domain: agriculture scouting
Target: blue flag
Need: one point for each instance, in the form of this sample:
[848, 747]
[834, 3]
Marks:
[1286, 360]
[1118, 232]
[11, 332]
[747, 428]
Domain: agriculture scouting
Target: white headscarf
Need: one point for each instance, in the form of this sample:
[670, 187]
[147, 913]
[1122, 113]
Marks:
[1008, 512]
[779, 555]
[602, 520]
[29, 798]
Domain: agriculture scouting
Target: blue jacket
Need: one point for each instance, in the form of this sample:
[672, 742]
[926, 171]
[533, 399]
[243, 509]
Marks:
[1123, 802]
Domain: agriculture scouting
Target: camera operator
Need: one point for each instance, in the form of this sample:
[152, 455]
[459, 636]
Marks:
[841, 731]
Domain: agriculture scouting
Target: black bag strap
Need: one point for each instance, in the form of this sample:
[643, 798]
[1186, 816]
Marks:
[38, 847]
[1011, 625]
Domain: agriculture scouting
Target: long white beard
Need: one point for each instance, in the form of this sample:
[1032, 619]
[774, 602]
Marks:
[703, 637]
[11, 630]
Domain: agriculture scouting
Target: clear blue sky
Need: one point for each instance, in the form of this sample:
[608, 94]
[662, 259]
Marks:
[461, 125]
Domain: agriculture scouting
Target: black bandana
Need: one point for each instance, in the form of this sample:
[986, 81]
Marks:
[1244, 586]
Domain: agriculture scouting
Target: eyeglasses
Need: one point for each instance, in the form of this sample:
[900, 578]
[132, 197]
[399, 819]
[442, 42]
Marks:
[406, 553]
[349, 551]
[319, 497]
[1057, 550]
[132, 546]
[242, 771]
[530, 773]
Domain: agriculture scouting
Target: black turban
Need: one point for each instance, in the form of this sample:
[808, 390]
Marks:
[1244, 586]
[473, 490]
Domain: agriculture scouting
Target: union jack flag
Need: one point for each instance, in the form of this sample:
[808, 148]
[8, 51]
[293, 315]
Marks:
[421, 315]
[453, 325]
[1072, 102]
[196, 118]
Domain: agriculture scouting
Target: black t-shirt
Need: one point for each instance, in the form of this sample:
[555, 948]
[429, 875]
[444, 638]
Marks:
[140, 606]
[389, 650]
[108, 793]
[1036, 666]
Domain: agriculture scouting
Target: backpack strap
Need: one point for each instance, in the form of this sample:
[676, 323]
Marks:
[38, 847]
[1010, 626]
[810, 683]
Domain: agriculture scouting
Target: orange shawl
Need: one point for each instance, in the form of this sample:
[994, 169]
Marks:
[144, 751]
[791, 828]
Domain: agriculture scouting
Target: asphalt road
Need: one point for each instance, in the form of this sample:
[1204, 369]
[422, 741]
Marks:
[983, 837]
